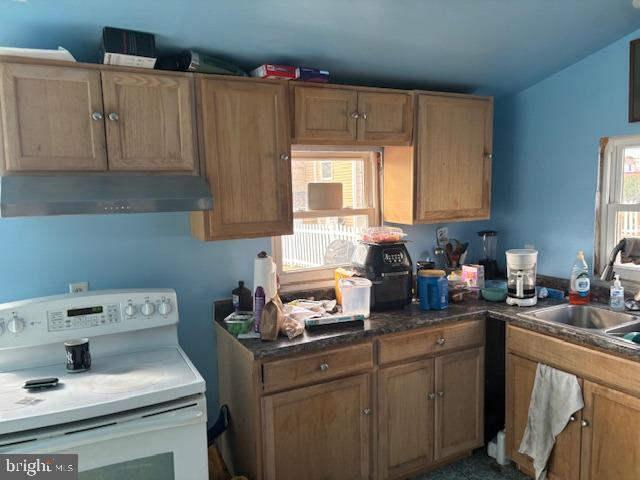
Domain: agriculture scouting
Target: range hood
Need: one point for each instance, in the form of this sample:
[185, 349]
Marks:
[41, 195]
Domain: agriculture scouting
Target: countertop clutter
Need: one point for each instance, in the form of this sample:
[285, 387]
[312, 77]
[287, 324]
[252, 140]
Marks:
[411, 317]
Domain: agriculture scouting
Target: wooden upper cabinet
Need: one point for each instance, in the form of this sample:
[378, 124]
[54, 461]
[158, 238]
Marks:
[324, 115]
[564, 463]
[446, 174]
[385, 118]
[406, 398]
[453, 174]
[245, 141]
[610, 439]
[459, 412]
[150, 122]
[318, 432]
[51, 119]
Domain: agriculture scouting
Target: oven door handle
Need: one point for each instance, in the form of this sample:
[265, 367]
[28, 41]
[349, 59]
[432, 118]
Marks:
[69, 441]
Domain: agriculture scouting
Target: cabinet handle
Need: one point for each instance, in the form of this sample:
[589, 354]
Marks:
[366, 412]
[441, 394]
[113, 116]
[284, 156]
[441, 340]
[324, 367]
[96, 116]
[363, 115]
[355, 115]
[584, 423]
[572, 418]
[489, 156]
[431, 396]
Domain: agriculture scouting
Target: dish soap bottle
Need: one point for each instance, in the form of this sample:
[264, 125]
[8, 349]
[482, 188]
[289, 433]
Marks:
[579, 285]
[616, 295]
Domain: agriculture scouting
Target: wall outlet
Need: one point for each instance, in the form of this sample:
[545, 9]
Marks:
[78, 287]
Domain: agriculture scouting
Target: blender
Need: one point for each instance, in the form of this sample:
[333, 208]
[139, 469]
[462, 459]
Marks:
[488, 260]
[521, 277]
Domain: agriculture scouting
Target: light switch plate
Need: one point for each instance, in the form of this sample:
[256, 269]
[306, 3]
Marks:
[78, 287]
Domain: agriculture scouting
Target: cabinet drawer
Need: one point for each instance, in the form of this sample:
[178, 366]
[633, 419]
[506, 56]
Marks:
[430, 341]
[316, 367]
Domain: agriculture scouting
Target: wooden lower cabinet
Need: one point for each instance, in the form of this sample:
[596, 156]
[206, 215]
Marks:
[611, 434]
[319, 432]
[459, 402]
[602, 441]
[336, 414]
[430, 410]
[406, 418]
[565, 459]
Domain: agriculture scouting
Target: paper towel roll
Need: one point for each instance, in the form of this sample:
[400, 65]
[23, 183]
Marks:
[264, 275]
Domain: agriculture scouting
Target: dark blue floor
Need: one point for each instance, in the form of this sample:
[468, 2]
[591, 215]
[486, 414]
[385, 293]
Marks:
[476, 467]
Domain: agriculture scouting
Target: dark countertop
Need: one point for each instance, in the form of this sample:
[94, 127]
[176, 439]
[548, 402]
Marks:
[411, 317]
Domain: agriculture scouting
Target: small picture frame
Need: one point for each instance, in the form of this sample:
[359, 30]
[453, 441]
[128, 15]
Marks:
[634, 81]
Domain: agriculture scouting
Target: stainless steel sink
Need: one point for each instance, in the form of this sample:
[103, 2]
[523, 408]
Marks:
[585, 317]
[622, 330]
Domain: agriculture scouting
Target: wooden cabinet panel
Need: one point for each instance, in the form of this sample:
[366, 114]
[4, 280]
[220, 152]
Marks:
[453, 164]
[246, 146]
[324, 115]
[459, 409]
[318, 432]
[386, 118]
[406, 397]
[150, 122]
[47, 122]
[316, 367]
[445, 338]
[564, 463]
[610, 439]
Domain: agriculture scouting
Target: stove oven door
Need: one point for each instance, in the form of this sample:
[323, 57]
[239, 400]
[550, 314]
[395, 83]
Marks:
[165, 443]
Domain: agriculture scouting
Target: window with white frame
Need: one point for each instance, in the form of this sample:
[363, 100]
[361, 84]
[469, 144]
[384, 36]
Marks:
[324, 238]
[619, 204]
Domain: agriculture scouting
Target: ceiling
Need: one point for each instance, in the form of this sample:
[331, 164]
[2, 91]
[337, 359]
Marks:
[492, 46]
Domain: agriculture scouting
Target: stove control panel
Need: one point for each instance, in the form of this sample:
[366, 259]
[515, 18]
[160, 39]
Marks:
[52, 319]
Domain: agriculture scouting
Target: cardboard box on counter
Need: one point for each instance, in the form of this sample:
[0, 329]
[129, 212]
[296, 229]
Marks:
[473, 275]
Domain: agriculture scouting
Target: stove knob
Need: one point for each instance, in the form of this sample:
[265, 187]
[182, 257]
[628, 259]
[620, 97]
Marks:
[165, 307]
[15, 325]
[147, 309]
[130, 310]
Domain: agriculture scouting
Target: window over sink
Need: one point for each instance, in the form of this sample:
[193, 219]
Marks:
[335, 197]
[618, 205]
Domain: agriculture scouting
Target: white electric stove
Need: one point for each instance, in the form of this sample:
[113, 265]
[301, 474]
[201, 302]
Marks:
[139, 409]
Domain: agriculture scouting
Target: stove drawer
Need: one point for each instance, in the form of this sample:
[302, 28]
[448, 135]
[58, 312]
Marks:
[430, 341]
[316, 367]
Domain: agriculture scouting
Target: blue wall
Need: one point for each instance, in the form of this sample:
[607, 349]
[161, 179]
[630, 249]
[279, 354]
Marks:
[546, 155]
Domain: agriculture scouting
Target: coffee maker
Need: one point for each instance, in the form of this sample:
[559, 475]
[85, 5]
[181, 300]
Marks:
[521, 277]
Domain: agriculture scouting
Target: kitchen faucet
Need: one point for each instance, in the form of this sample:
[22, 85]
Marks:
[608, 274]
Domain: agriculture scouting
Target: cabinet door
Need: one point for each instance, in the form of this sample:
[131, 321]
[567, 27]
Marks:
[453, 158]
[459, 412]
[246, 144]
[51, 119]
[564, 463]
[385, 118]
[325, 115]
[610, 437]
[405, 422]
[318, 432]
[150, 122]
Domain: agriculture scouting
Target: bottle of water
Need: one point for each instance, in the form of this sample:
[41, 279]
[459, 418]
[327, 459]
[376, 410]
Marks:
[580, 284]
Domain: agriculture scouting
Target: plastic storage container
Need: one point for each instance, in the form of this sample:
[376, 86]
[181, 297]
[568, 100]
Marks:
[383, 235]
[434, 289]
[356, 296]
[239, 322]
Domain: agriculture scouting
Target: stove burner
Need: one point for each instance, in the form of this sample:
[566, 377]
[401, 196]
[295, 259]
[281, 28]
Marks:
[125, 379]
